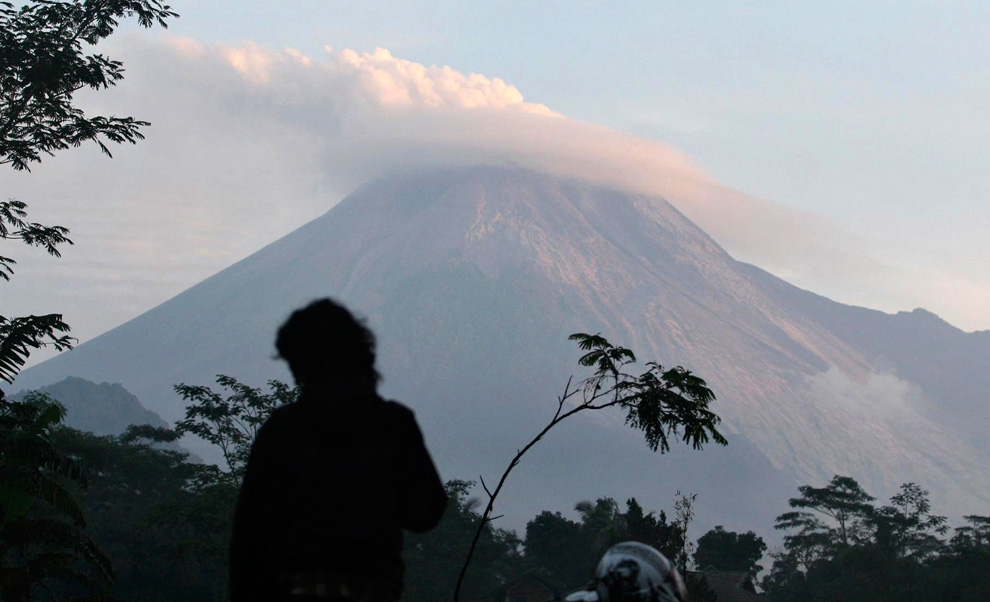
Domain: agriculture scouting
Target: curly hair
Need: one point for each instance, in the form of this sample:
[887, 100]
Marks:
[324, 341]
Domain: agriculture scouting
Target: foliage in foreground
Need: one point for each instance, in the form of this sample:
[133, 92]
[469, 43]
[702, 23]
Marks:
[43, 62]
[230, 423]
[44, 549]
[164, 523]
[160, 518]
[662, 403]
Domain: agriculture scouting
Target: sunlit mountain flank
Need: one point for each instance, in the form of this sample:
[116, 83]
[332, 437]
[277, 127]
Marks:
[473, 278]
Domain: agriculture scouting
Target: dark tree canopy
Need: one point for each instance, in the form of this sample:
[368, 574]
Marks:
[44, 56]
[44, 60]
[560, 548]
[846, 547]
[163, 520]
[825, 518]
[43, 545]
[654, 529]
[566, 551]
[723, 550]
[906, 528]
[232, 422]
[433, 559]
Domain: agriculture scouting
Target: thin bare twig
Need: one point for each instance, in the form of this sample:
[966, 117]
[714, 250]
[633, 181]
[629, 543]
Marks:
[586, 404]
[610, 386]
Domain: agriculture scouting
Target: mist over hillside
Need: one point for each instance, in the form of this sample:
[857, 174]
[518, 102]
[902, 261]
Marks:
[473, 278]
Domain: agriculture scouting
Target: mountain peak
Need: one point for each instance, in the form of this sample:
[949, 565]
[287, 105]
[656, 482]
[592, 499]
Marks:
[103, 409]
[924, 316]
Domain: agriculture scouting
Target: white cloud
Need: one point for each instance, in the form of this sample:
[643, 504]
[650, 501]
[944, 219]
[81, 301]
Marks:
[389, 81]
[248, 143]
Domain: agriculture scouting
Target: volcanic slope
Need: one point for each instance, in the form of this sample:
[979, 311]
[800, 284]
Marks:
[474, 277]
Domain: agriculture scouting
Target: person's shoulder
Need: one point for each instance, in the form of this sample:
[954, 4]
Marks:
[394, 407]
[282, 415]
[400, 421]
[285, 411]
[398, 412]
[276, 428]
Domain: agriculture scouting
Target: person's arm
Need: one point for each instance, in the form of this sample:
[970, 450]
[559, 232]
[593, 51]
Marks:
[422, 498]
[249, 578]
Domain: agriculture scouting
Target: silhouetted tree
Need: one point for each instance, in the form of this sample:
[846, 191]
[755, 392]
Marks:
[975, 535]
[42, 64]
[561, 549]
[19, 335]
[828, 518]
[232, 422]
[961, 573]
[653, 529]
[684, 514]
[663, 403]
[729, 551]
[602, 522]
[568, 551]
[433, 559]
[43, 546]
[864, 552]
[906, 528]
[154, 512]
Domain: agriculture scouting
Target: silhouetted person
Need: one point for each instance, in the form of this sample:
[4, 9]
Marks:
[334, 478]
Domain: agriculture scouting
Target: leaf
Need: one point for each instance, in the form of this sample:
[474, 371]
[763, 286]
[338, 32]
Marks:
[230, 422]
[19, 335]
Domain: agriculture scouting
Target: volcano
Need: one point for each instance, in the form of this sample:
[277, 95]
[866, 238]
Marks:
[474, 277]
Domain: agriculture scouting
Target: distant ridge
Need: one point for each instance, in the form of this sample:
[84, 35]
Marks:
[103, 409]
[473, 278]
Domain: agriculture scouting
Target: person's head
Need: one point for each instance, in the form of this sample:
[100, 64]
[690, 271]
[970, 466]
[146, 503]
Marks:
[324, 342]
[633, 572]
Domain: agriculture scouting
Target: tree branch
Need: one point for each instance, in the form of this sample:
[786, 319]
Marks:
[485, 516]
[647, 398]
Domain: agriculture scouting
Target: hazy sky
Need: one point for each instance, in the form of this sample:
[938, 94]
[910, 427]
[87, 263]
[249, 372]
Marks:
[840, 145]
